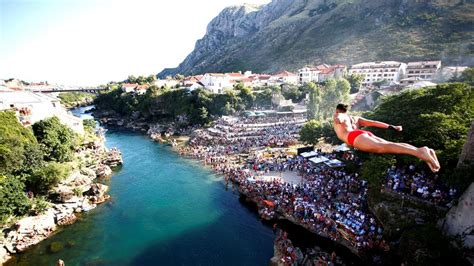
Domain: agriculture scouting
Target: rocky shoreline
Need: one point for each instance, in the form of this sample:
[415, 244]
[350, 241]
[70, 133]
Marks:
[80, 192]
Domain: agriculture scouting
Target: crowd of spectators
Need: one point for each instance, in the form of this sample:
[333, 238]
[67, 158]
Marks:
[327, 201]
[408, 180]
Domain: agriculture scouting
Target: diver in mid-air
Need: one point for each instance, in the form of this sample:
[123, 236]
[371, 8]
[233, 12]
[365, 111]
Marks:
[347, 130]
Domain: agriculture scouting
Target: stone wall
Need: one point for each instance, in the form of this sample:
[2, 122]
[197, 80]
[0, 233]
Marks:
[459, 221]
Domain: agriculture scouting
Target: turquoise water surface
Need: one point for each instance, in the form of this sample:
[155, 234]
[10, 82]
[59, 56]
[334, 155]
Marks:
[165, 210]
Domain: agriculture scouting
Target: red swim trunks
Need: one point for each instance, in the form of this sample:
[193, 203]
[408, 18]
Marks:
[354, 134]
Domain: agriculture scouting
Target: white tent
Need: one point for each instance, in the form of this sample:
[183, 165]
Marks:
[334, 163]
[319, 159]
[309, 154]
[342, 147]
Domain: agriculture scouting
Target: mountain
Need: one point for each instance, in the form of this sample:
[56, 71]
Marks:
[287, 34]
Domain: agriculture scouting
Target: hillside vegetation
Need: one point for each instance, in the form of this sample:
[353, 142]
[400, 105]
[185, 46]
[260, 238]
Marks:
[287, 34]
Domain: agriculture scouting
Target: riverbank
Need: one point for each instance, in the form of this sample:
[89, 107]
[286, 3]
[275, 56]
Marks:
[80, 192]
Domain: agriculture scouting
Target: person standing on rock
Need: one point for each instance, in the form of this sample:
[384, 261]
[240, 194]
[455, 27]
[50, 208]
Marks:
[347, 130]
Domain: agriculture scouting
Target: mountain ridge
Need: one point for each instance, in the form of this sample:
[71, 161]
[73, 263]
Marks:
[286, 34]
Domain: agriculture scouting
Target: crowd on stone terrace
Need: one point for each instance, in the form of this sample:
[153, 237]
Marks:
[408, 180]
[327, 201]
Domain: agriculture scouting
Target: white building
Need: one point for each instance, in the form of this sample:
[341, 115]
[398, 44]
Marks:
[321, 73]
[284, 77]
[170, 83]
[128, 87]
[217, 82]
[391, 71]
[32, 107]
[308, 74]
[423, 70]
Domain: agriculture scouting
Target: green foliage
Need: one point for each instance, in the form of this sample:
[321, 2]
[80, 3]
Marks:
[89, 124]
[13, 200]
[294, 92]
[467, 76]
[322, 102]
[58, 141]
[315, 99]
[355, 81]
[343, 88]
[47, 176]
[40, 205]
[426, 245]
[141, 79]
[263, 98]
[159, 104]
[311, 132]
[437, 117]
[70, 99]
[16, 142]
[373, 170]
[77, 191]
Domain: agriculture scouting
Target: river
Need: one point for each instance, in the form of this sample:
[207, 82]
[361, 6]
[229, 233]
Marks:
[165, 210]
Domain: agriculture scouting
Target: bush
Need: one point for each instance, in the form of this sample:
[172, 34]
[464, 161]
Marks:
[13, 200]
[15, 143]
[40, 205]
[58, 140]
[47, 176]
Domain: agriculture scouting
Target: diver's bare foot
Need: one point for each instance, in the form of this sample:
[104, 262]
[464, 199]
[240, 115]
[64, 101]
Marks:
[426, 156]
[433, 155]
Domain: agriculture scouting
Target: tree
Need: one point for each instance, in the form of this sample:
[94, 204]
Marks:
[16, 142]
[438, 117]
[13, 200]
[314, 104]
[329, 98]
[343, 88]
[311, 132]
[356, 82]
[57, 140]
[179, 77]
[132, 79]
[246, 94]
[293, 92]
[467, 76]
[47, 176]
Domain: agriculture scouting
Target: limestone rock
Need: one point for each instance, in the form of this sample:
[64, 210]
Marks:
[103, 171]
[97, 193]
[67, 219]
[460, 219]
[4, 256]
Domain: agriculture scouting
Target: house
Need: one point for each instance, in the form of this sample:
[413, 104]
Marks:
[193, 86]
[237, 77]
[259, 80]
[170, 83]
[308, 74]
[424, 70]
[321, 73]
[141, 89]
[32, 107]
[284, 77]
[390, 71]
[128, 87]
[217, 82]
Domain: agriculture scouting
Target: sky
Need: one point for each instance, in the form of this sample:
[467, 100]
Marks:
[92, 42]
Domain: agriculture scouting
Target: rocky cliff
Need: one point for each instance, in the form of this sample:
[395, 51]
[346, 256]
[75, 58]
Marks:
[286, 34]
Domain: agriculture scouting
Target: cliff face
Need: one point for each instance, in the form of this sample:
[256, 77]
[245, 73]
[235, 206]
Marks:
[286, 34]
